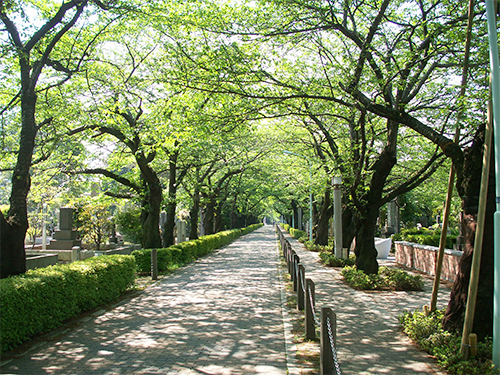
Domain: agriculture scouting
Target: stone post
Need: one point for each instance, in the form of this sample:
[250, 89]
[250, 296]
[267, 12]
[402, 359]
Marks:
[154, 264]
[181, 231]
[309, 312]
[296, 261]
[327, 363]
[337, 215]
[300, 288]
[299, 218]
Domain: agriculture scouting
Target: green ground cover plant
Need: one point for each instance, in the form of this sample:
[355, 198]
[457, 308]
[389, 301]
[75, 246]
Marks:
[330, 260]
[428, 333]
[386, 279]
[42, 299]
[296, 233]
[311, 246]
[175, 256]
[425, 236]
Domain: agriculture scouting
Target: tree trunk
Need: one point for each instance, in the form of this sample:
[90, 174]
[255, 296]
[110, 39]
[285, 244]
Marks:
[325, 213]
[168, 228]
[208, 219]
[218, 219]
[150, 215]
[13, 234]
[350, 227]
[469, 186]
[234, 214]
[295, 215]
[366, 254]
[193, 215]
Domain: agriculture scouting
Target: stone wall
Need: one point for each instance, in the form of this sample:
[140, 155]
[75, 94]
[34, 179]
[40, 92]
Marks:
[40, 260]
[423, 258]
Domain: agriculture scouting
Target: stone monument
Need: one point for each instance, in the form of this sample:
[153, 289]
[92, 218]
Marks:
[181, 231]
[65, 238]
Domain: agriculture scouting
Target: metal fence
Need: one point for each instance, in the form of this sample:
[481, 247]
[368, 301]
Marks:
[327, 322]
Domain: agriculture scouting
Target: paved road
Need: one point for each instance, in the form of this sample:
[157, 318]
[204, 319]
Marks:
[223, 315]
[220, 315]
[369, 339]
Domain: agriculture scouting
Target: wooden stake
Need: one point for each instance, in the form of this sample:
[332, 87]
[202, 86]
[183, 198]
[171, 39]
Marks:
[478, 241]
[473, 345]
[426, 310]
[451, 179]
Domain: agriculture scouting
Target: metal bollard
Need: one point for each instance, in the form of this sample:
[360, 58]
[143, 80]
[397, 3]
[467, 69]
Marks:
[309, 314]
[327, 363]
[154, 264]
[301, 287]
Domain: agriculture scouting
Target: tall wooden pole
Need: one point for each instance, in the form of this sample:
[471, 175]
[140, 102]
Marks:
[451, 179]
[491, 13]
[478, 241]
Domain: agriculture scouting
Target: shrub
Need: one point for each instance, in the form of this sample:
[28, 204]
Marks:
[360, 280]
[400, 280]
[387, 278]
[185, 252]
[129, 225]
[330, 260]
[428, 333]
[167, 258]
[95, 224]
[296, 233]
[42, 299]
[311, 246]
[424, 236]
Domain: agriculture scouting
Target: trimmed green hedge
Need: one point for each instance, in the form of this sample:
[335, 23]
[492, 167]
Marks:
[185, 252]
[424, 237]
[42, 299]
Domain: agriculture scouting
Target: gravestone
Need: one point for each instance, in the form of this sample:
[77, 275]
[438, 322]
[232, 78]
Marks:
[181, 231]
[392, 219]
[65, 238]
[163, 219]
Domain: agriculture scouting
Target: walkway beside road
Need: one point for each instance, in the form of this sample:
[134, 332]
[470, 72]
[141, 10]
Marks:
[369, 340]
[219, 315]
[223, 315]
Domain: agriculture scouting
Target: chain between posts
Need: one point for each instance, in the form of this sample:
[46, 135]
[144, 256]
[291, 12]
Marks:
[305, 289]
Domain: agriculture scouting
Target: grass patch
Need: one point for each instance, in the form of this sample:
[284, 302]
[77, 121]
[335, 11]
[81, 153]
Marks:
[428, 333]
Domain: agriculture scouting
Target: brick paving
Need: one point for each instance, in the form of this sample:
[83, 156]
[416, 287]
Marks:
[219, 315]
[223, 315]
[369, 339]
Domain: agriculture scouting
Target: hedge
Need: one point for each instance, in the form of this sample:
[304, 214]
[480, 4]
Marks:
[424, 237]
[42, 299]
[185, 252]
